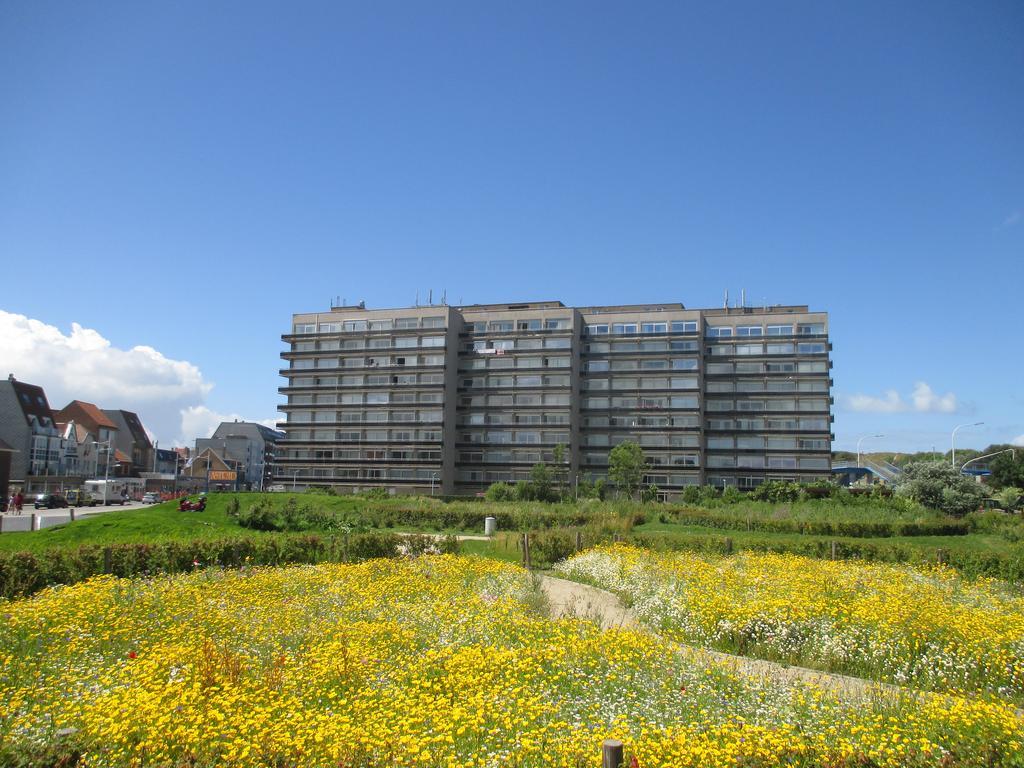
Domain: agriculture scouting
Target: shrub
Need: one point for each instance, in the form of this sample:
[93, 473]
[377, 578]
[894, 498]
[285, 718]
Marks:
[776, 491]
[940, 486]
[22, 573]
[501, 492]
[731, 495]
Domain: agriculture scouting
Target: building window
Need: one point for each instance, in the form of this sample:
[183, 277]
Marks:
[719, 331]
[684, 326]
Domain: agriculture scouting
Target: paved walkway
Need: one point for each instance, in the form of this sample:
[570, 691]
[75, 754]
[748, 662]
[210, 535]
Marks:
[570, 598]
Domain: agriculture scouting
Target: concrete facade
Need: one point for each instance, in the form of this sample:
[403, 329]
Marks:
[452, 399]
[252, 446]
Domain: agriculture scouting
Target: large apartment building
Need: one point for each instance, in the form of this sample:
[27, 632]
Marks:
[447, 400]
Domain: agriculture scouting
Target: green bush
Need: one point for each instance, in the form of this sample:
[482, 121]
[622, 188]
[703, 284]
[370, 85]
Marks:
[776, 491]
[938, 485]
[501, 492]
[22, 573]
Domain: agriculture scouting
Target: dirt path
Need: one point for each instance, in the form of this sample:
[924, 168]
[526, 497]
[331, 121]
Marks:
[570, 598]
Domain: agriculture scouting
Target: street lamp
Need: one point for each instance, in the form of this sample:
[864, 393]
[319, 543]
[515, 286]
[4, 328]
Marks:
[952, 440]
[433, 478]
[861, 440]
[988, 456]
[106, 473]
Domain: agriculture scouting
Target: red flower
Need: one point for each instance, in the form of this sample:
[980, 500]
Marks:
[633, 762]
[132, 654]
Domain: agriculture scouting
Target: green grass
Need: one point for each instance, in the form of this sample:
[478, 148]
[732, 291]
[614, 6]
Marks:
[975, 542]
[159, 522]
[992, 537]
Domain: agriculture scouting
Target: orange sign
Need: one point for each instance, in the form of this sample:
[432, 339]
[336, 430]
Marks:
[223, 474]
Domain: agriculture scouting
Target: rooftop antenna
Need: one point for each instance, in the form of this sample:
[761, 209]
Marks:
[430, 297]
[726, 304]
[444, 295]
[743, 297]
[417, 297]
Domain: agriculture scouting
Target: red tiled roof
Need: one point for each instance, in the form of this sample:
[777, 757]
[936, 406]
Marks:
[87, 412]
[119, 456]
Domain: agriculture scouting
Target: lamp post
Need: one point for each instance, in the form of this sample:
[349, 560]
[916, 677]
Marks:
[861, 440]
[177, 458]
[988, 456]
[106, 475]
[433, 478]
[952, 440]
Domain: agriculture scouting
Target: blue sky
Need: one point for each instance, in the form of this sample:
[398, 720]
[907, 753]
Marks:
[184, 176]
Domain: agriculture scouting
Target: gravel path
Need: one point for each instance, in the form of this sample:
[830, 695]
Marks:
[570, 598]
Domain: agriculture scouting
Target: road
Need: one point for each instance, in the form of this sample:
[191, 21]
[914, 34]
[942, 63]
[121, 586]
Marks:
[83, 511]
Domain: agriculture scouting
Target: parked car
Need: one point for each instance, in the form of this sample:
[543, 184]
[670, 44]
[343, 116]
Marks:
[151, 498]
[81, 499]
[50, 501]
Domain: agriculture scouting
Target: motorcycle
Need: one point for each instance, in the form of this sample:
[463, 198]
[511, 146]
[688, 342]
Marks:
[192, 506]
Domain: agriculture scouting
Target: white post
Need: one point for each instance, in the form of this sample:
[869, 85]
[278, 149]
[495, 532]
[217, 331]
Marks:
[106, 474]
[862, 439]
[952, 440]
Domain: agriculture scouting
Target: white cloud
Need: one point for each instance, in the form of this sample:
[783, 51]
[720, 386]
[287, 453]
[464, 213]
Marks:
[200, 421]
[922, 399]
[927, 401]
[1019, 440]
[83, 365]
[891, 403]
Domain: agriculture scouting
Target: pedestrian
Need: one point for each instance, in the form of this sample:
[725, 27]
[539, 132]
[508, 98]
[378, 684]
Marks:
[18, 501]
[10, 503]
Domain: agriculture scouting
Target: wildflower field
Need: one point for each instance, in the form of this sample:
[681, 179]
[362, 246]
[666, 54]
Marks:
[436, 661]
[927, 628]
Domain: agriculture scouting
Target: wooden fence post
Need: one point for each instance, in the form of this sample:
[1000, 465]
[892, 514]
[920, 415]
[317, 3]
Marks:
[611, 753]
[941, 556]
[728, 545]
[108, 560]
[579, 540]
[526, 551]
[835, 550]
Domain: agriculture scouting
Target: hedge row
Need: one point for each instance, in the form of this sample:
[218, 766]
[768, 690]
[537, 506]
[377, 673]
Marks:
[22, 573]
[1008, 567]
[508, 519]
[549, 547]
[853, 528]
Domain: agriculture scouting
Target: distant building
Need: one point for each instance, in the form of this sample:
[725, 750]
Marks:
[253, 447]
[28, 427]
[95, 429]
[211, 467]
[132, 440]
[455, 398]
[6, 453]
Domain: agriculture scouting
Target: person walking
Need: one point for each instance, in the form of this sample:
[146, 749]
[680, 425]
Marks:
[10, 503]
[18, 501]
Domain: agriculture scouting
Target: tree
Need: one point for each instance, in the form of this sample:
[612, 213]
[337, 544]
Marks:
[938, 485]
[540, 483]
[1009, 498]
[1007, 468]
[561, 473]
[626, 465]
